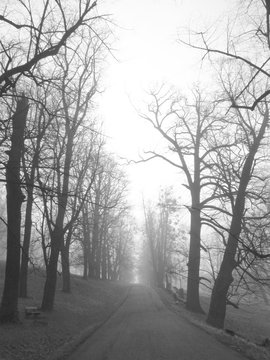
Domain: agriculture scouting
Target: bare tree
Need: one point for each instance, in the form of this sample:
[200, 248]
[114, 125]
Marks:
[256, 39]
[43, 35]
[33, 35]
[75, 111]
[85, 168]
[103, 225]
[190, 130]
[252, 130]
[249, 92]
[41, 114]
[15, 197]
[159, 236]
[108, 206]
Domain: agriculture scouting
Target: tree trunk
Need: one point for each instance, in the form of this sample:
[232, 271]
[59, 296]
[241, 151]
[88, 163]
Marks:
[9, 304]
[194, 259]
[65, 269]
[57, 235]
[51, 272]
[95, 237]
[28, 222]
[85, 260]
[26, 244]
[217, 309]
[87, 246]
[193, 281]
[66, 262]
[110, 271]
[104, 262]
[168, 283]
[86, 241]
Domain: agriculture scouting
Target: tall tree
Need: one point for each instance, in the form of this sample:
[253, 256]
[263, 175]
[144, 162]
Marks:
[15, 197]
[38, 33]
[40, 117]
[85, 168]
[251, 76]
[189, 128]
[77, 87]
[254, 136]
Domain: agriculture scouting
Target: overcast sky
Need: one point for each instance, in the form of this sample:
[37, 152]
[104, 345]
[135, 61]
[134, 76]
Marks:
[147, 54]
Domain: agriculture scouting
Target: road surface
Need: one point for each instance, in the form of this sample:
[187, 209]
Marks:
[144, 329]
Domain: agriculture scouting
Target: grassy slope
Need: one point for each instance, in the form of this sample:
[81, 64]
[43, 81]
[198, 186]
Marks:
[250, 323]
[90, 303]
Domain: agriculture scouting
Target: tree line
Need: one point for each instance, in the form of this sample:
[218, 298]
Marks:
[63, 187]
[219, 142]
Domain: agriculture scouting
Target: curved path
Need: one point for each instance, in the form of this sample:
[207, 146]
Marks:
[144, 329]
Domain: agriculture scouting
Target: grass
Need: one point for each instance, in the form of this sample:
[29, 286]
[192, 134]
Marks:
[250, 323]
[90, 303]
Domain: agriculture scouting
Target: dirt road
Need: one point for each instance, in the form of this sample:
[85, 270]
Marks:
[144, 329]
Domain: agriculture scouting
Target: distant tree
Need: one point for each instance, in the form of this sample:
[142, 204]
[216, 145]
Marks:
[86, 241]
[108, 207]
[118, 252]
[159, 236]
[104, 222]
[85, 168]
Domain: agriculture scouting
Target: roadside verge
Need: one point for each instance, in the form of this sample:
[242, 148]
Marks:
[65, 350]
[238, 343]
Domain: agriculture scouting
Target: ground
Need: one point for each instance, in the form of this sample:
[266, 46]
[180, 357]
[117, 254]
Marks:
[91, 302]
[249, 323]
[143, 328]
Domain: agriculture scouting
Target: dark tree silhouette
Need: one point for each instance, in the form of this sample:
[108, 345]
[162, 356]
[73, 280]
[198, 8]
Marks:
[217, 310]
[190, 131]
[253, 71]
[44, 37]
[15, 197]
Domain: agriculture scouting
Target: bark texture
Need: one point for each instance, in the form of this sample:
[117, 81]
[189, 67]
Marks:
[26, 245]
[193, 281]
[9, 304]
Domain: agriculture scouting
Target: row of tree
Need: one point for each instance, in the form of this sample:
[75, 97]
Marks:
[219, 142]
[164, 252]
[63, 187]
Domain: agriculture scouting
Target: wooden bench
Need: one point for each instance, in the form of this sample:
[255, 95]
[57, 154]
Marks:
[178, 295]
[32, 311]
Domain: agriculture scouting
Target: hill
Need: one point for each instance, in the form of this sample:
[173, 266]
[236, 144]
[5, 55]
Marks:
[92, 302]
[75, 315]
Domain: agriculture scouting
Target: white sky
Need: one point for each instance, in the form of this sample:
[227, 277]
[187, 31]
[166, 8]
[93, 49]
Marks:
[148, 54]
